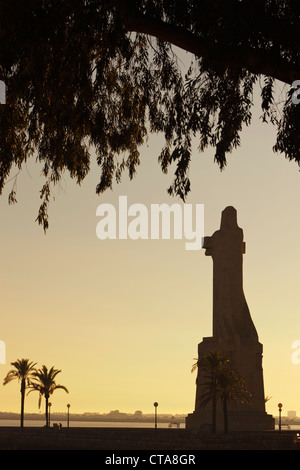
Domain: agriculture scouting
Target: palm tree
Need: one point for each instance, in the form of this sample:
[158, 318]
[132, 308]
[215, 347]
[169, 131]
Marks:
[45, 384]
[23, 371]
[210, 366]
[231, 388]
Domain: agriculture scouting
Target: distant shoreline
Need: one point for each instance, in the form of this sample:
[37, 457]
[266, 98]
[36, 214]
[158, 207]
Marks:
[121, 417]
[113, 417]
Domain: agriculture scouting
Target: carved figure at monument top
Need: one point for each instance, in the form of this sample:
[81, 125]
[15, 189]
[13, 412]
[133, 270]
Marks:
[231, 316]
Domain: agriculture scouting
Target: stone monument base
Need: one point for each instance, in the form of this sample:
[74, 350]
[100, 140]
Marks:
[245, 356]
[238, 420]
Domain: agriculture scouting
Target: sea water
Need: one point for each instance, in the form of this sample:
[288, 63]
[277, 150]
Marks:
[87, 424]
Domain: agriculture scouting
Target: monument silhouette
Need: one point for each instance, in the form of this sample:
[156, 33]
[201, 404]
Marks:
[234, 333]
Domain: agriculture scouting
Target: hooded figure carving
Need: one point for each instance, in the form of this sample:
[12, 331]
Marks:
[231, 315]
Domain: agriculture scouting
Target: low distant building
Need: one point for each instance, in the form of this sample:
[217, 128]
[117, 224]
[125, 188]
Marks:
[292, 414]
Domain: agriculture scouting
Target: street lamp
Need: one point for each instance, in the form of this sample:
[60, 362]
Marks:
[155, 408]
[68, 420]
[279, 420]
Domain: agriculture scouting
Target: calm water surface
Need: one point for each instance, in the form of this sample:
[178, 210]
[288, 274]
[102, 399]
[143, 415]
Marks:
[85, 424]
[105, 424]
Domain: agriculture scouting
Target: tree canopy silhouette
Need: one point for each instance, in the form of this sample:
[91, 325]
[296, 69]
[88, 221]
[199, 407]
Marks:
[44, 383]
[102, 75]
[23, 371]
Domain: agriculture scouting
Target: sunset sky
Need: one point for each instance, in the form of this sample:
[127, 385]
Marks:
[122, 318]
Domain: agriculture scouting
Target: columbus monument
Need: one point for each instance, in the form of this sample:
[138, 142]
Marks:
[234, 333]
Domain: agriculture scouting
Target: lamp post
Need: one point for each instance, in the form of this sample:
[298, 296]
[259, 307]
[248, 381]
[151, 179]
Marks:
[279, 419]
[68, 419]
[155, 409]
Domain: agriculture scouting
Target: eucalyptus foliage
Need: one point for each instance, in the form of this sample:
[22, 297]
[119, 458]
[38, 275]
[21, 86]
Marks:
[87, 77]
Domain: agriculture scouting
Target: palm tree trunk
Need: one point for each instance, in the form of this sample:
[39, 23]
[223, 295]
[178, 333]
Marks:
[214, 406]
[225, 410]
[47, 420]
[214, 414]
[22, 402]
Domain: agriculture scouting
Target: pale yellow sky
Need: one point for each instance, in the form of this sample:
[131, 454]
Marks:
[123, 318]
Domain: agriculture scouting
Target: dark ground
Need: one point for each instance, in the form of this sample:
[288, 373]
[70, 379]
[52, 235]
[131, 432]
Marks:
[114, 439]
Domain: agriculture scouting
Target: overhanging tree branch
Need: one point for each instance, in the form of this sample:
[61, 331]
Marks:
[112, 90]
[254, 60]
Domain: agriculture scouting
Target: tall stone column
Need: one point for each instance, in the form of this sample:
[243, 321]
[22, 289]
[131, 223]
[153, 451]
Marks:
[234, 333]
